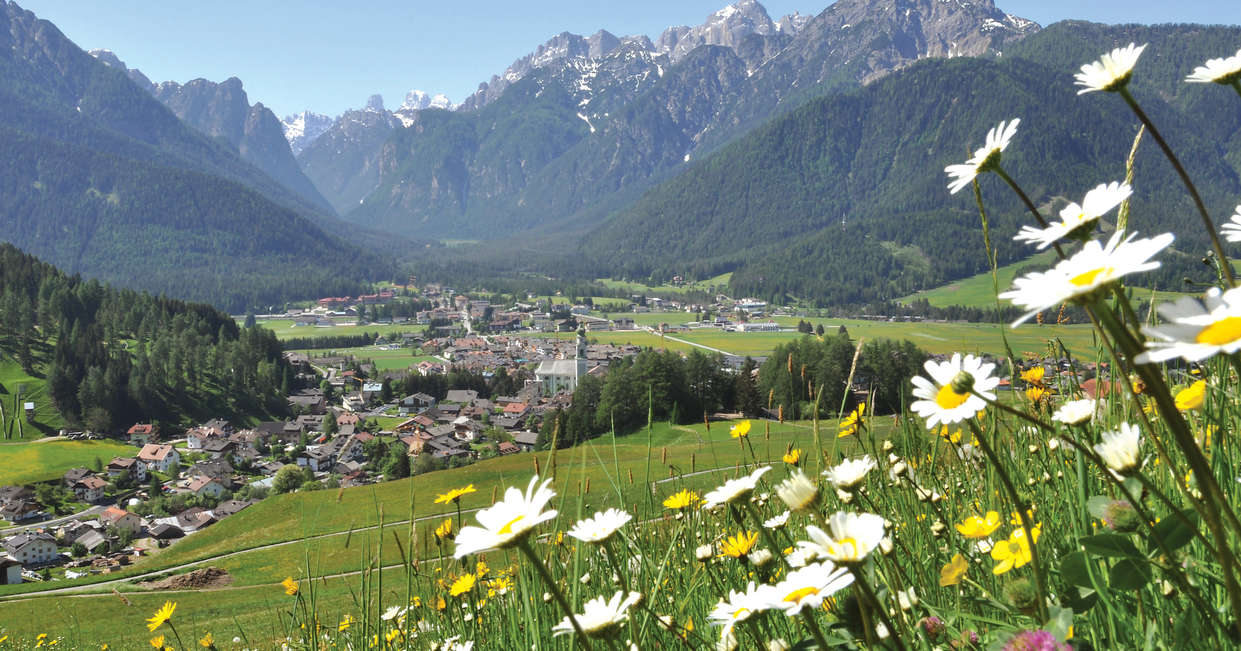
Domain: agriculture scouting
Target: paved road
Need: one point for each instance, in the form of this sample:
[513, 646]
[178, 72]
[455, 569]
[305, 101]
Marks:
[92, 511]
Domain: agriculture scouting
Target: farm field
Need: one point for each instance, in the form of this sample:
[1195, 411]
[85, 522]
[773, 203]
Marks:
[27, 462]
[621, 337]
[384, 359]
[33, 389]
[285, 329]
[977, 291]
[718, 283]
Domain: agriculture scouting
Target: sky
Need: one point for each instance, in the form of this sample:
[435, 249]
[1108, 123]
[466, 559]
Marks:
[318, 55]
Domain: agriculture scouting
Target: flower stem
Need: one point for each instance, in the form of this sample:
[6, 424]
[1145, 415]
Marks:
[1189, 184]
[808, 617]
[1022, 508]
[554, 589]
[860, 581]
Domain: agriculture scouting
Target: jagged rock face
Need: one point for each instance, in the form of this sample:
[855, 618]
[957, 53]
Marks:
[613, 114]
[301, 129]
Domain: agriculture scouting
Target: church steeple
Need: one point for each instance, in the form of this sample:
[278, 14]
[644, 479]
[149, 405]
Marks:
[581, 354]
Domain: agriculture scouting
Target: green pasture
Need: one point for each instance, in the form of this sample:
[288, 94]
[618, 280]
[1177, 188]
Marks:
[23, 463]
[13, 380]
[286, 328]
[384, 359]
[717, 283]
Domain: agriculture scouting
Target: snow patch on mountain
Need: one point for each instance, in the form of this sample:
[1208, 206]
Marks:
[417, 100]
[301, 129]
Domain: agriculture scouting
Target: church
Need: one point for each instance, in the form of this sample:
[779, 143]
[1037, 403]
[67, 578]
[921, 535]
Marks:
[559, 375]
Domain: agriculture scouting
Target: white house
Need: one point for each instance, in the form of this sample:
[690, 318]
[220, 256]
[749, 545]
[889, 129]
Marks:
[208, 486]
[121, 519]
[10, 570]
[160, 458]
[32, 548]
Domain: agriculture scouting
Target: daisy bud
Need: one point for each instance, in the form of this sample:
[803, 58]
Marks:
[963, 383]
[844, 496]
[888, 446]
[938, 528]
[547, 597]
[1167, 589]
[778, 644]
[885, 546]
[907, 599]
[1022, 594]
[1033, 449]
[585, 578]
[1053, 444]
[760, 557]
[704, 553]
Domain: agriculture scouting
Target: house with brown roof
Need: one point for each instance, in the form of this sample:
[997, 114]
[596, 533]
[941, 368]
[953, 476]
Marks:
[160, 458]
[127, 466]
[206, 486]
[90, 488]
[143, 433]
[114, 516]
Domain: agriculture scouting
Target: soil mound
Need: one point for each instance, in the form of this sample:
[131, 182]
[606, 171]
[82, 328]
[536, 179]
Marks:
[206, 578]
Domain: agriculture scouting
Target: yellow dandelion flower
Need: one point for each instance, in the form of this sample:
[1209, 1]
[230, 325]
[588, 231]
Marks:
[344, 624]
[462, 585]
[1015, 518]
[740, 430]
[162, 615]
[157, 642]
[1034, 375]
[440, 604]
[290, 586]
[954, 571]
[976, 527]
[444, 531]
[792, 457]
[849, 424]
[392, 635]
[739, 545]
[684, 499]
[1192, 397]
[481, 569]
[207, 641]
[1035, 394]
[454, 494]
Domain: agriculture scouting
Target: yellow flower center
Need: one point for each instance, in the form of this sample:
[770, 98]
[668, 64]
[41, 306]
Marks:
[801, 593]
[1221, 332]
[949, 399]
[847, 549]
[508, 528]
[737, 613]
[1088, 278]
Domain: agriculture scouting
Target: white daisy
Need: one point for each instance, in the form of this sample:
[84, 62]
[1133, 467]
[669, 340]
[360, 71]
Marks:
[850, 473]
[850, 537]
[1119, 449]
[1095, 204]
[941, 402]
[1194, 331]
[1074, 412]
[602, 526]
[733, 489]
[1220, 71]
[984, 159]
[1111, 72]
[803, 556]
[1094, 266]
[508, 521]
[798, 492]
[1232, 230]
[808, 587]
[601, 617]
[778, 521]
[739, 606]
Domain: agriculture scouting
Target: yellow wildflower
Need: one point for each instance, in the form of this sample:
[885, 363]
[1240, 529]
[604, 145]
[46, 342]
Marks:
[740, 430]
[739, 545]
[954, 571]
[440, 604]
[849, 424]
[455, 494]
[207, 641]
[290, 586]
[444, 531]
[684, 499]
[1035, 394]
[462, 585]
[162, 615]
[345, 623]
[158, 642]
[1034, 375]
[1192, 397]
[1014, 552]
[976, 527]
[792, 457]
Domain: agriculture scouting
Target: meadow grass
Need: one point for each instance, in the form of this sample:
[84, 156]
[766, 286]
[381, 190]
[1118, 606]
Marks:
[29, 462]
[717, 283]
[32, 389]
[286, 328]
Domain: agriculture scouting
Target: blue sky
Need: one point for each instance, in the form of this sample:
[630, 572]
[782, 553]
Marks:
[318, 55]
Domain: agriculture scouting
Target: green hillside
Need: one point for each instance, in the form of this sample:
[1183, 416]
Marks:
[833, 203]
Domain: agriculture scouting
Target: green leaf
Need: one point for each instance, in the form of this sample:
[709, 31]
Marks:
[1060, 620]
[1074, 570]
[1111, 545]
[1097, 506]
[1129, 574]
[1079, 599]
[1173, 531]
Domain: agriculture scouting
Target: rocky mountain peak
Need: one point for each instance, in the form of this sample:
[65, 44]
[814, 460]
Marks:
[301, 129]
[417, 100]
[375, 103]
[726, 27]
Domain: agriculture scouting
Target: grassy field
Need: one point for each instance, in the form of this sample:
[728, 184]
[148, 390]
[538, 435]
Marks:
[978, 291]
[622, 337]
[384, 360]
[616, 467]
[718, 283]
[26, 462]
[33, 389]
[285, 329]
